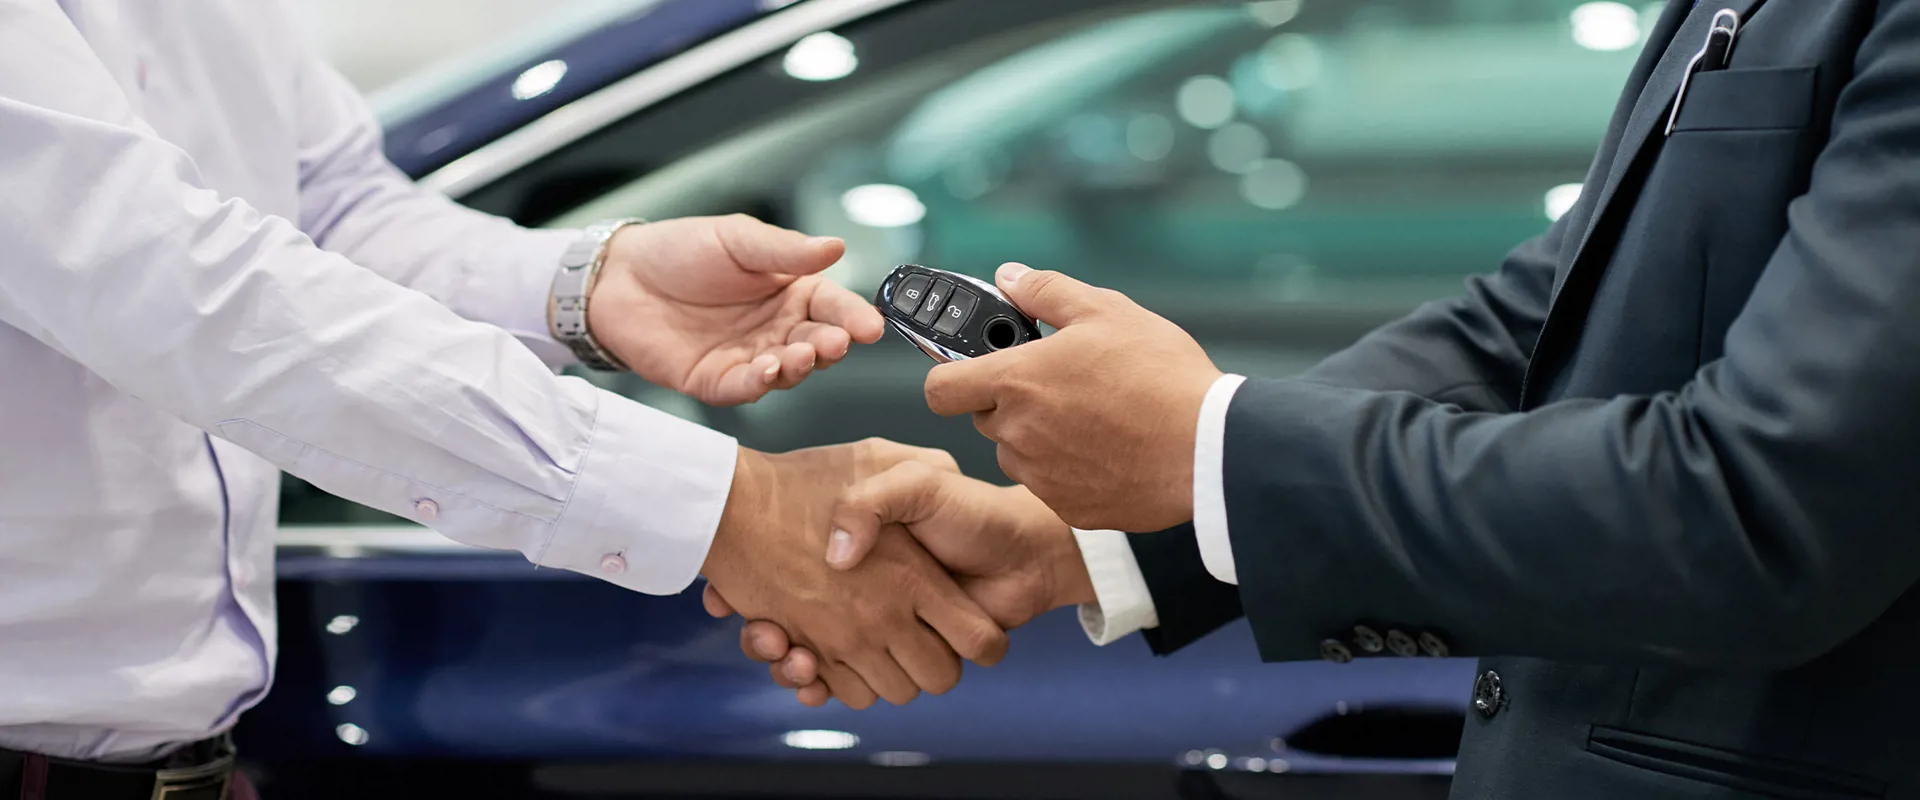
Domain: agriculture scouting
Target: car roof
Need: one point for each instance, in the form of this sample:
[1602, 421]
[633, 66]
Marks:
[449, 112]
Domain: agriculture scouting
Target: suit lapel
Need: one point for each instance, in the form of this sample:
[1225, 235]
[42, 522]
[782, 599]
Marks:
[1684, 33]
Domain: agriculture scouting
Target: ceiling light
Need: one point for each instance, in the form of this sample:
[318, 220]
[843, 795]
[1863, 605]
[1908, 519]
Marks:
[351, 734]
[342, 695]
[341, 624]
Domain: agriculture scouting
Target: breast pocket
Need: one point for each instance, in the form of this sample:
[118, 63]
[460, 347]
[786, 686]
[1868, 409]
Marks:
[1773, 98]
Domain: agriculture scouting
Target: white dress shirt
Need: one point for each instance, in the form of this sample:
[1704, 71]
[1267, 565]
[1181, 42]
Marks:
[207, 271]
[1122, 602]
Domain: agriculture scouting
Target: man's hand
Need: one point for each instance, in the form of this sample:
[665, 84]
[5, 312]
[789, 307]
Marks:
[725, 309]
[1008, 551]
[1099, 419]
[891, 627]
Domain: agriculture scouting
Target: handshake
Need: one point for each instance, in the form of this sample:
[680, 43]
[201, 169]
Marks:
[871, 570]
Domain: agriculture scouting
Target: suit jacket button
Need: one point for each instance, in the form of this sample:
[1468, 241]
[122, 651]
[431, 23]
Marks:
[1367, 639]
[1401, 644]
[1333, 650]
[1432, 645]
[1488, 695]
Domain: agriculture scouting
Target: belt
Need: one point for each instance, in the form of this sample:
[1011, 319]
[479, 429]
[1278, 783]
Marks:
[200, 771]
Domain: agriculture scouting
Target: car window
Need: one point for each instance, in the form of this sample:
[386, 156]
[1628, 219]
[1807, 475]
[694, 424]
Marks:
[1276, 176]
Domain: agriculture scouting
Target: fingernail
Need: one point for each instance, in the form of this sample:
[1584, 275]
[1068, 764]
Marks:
[1010, 274]
[791, 673]
[766, 650]
[822, 241]
[839, 547]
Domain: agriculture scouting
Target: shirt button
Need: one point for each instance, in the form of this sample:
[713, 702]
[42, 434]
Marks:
[426, 510]
[1335, 651]
[1368, 639]
[613, 563]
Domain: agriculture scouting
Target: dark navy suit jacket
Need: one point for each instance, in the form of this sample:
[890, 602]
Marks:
[1661, 472]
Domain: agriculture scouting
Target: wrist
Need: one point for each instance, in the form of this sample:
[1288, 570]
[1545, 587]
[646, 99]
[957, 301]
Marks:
[1068, 581]
[752, 481]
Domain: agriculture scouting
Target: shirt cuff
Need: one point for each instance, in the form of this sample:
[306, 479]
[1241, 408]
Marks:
[1209, 489]
[1123, 603]
[647, 500]
[517, 303]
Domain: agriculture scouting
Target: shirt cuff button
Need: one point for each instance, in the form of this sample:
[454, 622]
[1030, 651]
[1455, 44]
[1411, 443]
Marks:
[426, 510]
[613, 564]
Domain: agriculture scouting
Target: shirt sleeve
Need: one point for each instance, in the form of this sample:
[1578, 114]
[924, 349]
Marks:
[355, 202]
[119, 257]
[1209, 494]
[1122, 602]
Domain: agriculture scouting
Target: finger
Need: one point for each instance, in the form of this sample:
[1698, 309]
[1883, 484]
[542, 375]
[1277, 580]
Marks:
[963, 387]
[847, 685]
[716, 605]
[887, 678]
[796, 363]
[1051, 297]
[800, 667]
[830, 343]
[764, 641]
[745, 383]
[928, 660]
[759, 247]
[813, 695]
[1012, 465]
[966, 627]
[834, 305]
[907, 493]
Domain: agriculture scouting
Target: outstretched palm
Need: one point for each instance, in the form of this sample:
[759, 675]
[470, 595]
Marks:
[725, 309]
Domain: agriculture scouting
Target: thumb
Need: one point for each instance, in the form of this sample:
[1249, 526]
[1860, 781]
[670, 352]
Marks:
[759, 247]
[1049, 296]
[905, 494]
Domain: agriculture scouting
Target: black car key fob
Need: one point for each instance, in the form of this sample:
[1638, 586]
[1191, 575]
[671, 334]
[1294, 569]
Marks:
[950, 316]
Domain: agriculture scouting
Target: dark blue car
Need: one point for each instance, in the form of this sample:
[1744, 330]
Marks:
[1276, 176]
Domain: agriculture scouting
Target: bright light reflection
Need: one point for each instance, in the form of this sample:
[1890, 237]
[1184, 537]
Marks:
[1217, 761]
[819, 740]
[901, 758]
[1560, 200]
[351, 734]
[1606, 26]
[1290, 61]
[883, 205]
[821, 57]
[1236, 148]
[341, 624]
[1150, 137]
[539, 79]
[1274, 13]
[1205, 101]
[1256, 764]
[1274, 184]
[342, 695]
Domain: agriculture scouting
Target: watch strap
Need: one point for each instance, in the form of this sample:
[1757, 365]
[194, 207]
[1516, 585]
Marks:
[573, 284]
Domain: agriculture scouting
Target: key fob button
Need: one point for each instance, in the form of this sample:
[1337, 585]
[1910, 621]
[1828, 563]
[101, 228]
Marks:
[958, 310]
[912, 290]
[936, 301]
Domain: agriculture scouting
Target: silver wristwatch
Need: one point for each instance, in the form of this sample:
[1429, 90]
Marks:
[567, 303]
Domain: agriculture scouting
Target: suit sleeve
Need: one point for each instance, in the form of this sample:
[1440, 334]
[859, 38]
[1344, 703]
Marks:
[1470, 350]
[1753, 519]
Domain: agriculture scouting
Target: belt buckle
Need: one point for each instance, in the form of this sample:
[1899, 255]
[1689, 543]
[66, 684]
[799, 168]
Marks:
[209, 781]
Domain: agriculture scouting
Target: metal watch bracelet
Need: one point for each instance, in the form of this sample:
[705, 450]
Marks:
[573, 284]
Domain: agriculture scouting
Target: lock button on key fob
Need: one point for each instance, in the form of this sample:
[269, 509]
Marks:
[950, 316]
